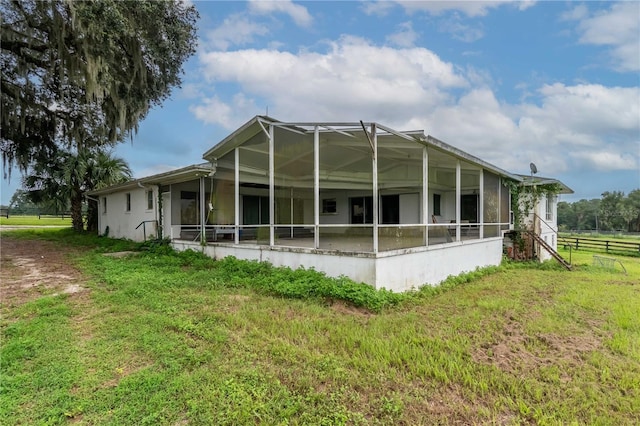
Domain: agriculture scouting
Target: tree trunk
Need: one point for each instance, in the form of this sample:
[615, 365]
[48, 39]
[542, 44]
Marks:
[92, 216]
[76, 211]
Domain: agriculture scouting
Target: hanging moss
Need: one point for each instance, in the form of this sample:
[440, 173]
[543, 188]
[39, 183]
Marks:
[79, 73]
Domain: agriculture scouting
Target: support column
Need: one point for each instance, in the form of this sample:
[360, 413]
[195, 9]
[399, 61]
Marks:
[236, 196]
[316, 187]
[481, 206]
[375, 187]
[203, 229]
[425, 194]
[458, 194]
[272, 198]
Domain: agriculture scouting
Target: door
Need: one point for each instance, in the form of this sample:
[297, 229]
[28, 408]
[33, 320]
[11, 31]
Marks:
[469, 208]
[361, 209]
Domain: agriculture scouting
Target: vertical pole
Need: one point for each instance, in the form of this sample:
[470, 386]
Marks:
[316, 187]
[481, 208]
[458, 195]
[375, 186]
[203, 236]
[272, 198]
[236, 196]
[425, 194]
[291, 209]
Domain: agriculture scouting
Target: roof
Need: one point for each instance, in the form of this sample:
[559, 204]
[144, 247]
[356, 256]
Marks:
[174, 176]
[530, 180]
[257, 125]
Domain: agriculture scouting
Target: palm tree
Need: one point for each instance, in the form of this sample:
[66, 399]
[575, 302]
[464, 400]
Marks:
[70, 175]
[102, 170]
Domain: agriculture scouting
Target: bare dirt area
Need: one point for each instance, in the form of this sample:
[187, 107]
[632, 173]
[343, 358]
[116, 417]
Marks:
[32, 268]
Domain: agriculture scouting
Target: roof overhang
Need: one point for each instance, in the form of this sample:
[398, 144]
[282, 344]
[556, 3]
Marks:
[528, 180]
[183, 174]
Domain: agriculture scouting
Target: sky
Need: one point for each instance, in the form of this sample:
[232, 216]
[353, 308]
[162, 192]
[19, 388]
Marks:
[553, 83]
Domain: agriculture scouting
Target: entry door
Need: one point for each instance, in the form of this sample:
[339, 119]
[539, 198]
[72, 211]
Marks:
[361, 209]
[469, 208]
[390, 209]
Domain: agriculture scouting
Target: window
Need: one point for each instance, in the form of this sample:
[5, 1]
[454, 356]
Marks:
[436, 204]
[329, 206]
[104, 205]
[549, 207]
[128, 202]
[149, 200]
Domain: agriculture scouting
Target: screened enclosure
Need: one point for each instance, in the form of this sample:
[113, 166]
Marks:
[353, 187]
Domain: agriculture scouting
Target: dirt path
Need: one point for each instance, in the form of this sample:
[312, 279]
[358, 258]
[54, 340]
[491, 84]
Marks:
[32, 268]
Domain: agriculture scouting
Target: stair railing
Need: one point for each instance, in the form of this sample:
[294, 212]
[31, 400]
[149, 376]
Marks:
[558, 237]
[144, 230]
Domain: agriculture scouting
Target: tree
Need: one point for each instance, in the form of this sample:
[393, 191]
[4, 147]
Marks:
[611, 207]
[78, 71]
[633, 201]
[70, 175]
[20, 203]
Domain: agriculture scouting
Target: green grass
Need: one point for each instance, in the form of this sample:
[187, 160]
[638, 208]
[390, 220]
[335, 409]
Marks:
[170, 338]
[34, 221]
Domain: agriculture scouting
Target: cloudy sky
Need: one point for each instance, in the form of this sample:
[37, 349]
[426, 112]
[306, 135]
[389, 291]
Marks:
[554, 83]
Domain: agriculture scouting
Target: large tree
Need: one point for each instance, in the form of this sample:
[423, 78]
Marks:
[78, 71]
[67, 177]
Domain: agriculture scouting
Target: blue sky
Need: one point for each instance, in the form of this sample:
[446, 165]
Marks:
[554, 83]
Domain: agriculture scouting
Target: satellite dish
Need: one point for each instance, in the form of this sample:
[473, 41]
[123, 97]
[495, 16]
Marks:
[533, 168]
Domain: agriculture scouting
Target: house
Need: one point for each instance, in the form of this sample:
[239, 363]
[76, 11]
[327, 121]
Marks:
[392, 209]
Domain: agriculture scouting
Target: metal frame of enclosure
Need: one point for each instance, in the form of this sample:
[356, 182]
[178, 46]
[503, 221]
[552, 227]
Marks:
[350, 187]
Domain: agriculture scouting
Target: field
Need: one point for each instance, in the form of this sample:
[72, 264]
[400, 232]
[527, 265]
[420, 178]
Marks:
[34, 221]
[157, 337]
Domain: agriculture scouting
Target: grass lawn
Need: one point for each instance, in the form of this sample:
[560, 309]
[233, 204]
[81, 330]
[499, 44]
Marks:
[34, 221]
[176, 339]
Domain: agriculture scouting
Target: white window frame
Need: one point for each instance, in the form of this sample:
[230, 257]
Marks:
[150, 200]
[127, 202]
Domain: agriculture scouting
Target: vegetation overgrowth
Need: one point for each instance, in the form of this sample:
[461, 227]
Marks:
[177, 338]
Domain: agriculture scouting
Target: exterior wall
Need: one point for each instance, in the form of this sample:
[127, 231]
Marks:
[432, 266]
[398, 271]
[122, 223]
[548, 226]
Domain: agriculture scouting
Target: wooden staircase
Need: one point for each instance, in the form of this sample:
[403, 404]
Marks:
[550, 249]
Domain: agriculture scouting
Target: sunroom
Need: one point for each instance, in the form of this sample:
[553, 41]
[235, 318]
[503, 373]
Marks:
[392, 209]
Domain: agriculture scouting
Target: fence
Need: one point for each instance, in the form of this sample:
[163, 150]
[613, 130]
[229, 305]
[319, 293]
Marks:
[606, 245]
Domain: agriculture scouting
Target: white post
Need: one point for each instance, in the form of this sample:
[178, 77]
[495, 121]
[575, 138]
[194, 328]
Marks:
[236, 197]
[481, 212]
[375, 187]
[425, 194]
[316, 187]
[272, 199]
[203, 236]
[458, 194]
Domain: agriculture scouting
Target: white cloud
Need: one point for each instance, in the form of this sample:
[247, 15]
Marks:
[354, 78]
[469, 8]
[558, 127]
[235, 30]
[618, 27]
[212, 110]
[378, 8]
[607, 161]
[298, 13]
[405, 36]
[463, 32]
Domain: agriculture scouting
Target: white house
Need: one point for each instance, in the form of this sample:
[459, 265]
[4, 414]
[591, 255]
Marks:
[388, 208]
